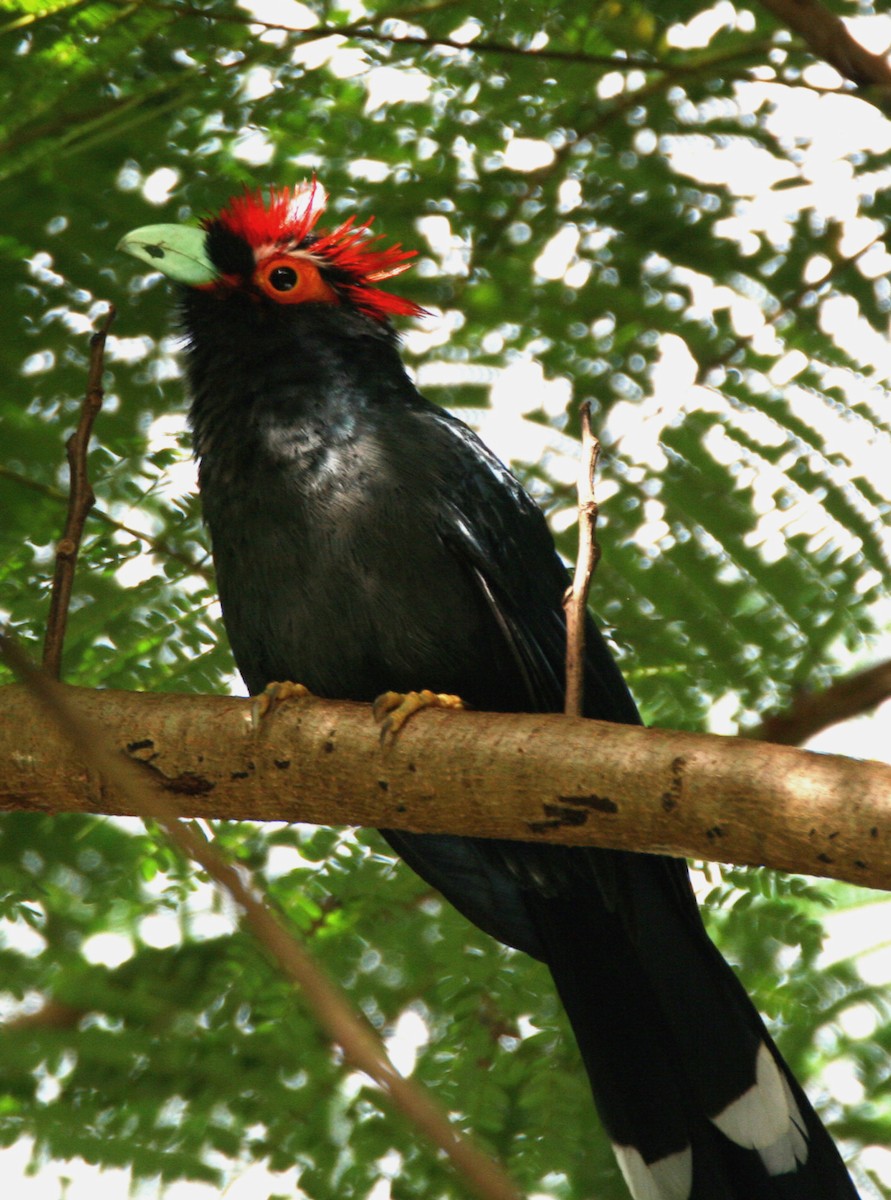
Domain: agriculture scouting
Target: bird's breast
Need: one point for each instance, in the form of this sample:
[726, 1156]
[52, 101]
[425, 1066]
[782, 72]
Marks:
[334, 575]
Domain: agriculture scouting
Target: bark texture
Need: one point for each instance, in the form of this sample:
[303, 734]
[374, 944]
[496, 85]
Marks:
[548, 778]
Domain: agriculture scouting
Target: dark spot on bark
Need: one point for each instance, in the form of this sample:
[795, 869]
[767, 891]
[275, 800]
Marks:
[858, 862]
[239, 775]
[825, 858]
[716, 831]
[874, 832]
[282, 763]
[671, 797]
[145, 744]
[559, 816]
[384, 785]
[598, 803]
[188, 784]
[400, 808]
[833, 835]
[411, 768]
[329, 747]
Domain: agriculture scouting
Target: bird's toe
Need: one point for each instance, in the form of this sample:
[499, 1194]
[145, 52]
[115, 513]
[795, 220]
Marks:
[393, 709]
[273, 694]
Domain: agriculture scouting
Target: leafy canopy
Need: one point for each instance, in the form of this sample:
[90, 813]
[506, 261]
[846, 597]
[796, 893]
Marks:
[607, 193]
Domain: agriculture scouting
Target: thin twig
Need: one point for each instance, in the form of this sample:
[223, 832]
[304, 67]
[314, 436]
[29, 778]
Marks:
[366, 30]
[157, 545]
[80, 501]
[575, 602]
[360, 1044]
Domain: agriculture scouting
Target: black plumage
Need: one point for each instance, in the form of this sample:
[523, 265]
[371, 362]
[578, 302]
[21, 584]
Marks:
[365, 540]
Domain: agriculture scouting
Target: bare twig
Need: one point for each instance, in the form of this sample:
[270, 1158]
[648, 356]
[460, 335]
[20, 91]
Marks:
[369, 31]
[810, 712]
[828, 37]
[357, 1039]
[615, 62]
[575, 602]
[80, 501]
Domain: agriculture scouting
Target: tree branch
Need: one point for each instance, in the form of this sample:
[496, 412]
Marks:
[546, 778]
[366, 29]
[828, 37]
[810, 712]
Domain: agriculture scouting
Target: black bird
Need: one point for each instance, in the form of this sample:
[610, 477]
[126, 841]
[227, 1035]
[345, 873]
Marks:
[366, 540]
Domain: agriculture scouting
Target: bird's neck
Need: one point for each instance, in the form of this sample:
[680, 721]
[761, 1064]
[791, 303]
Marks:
[283, 398]
[261, 381]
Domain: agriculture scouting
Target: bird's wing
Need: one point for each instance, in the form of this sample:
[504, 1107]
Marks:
[500, 535]
[673, 1046]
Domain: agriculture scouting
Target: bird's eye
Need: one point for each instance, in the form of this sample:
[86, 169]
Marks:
[283, 279]
[285, 282]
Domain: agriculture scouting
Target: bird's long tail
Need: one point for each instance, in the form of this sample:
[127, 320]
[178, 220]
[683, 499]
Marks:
[692, 1092]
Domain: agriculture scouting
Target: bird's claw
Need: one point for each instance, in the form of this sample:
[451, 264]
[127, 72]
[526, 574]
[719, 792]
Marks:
[272, 695]
[392, 709]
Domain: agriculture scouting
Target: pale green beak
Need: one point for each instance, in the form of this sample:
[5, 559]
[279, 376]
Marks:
[177, 251]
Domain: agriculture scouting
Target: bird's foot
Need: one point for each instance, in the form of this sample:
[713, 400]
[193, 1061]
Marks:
[393, 709]
[272, 695]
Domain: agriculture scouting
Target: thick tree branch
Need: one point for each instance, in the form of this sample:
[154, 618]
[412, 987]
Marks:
[538, 778]
[828, 37]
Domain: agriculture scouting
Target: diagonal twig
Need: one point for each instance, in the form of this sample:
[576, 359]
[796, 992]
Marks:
[157, 545]
[80, 501]
[575, 602]
[359, 1042]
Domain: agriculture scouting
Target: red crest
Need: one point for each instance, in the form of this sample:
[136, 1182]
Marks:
[288, 217]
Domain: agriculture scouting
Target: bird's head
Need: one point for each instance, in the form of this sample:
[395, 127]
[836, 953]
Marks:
[269, 249]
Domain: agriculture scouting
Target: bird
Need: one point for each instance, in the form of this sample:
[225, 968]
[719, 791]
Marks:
[366, 541]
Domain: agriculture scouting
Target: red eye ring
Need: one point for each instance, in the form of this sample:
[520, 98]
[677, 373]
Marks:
[293, 279]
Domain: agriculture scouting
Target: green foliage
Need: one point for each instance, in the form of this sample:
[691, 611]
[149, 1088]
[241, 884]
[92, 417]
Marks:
[190, 1054]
